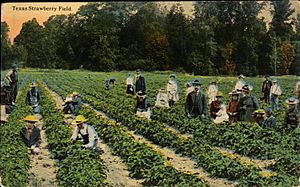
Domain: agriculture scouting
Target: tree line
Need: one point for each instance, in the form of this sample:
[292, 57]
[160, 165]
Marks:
[221, 38]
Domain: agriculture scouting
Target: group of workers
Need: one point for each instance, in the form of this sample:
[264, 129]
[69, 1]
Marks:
[242, 106]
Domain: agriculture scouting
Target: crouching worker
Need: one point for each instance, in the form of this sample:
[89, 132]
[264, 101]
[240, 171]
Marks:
[142, 106]
[33, 98]
[85, 132]
[31, 134]
[259, 116]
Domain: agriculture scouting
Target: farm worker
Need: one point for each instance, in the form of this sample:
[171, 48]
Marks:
[68, 104]
[259, 116]
[222, 115]
[189, 88]
[292, 116]
[129, 84]
[162, 99]
[31, 134]
[232, 108]
[12, 77]
[77, 101]
[172, 89]
[108, 81]
[33, 98]
[275, 92]
[84, 132]
[270, 120]
[195, 104]
[240, 83]
[142, 105]
[266, 88]
[216, 105]
[212, 91]
[140, 83]
[247, 105]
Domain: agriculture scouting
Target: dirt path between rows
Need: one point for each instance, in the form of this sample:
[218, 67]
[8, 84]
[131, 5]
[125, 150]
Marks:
[117, 170]
[178, 162]
[42, 170]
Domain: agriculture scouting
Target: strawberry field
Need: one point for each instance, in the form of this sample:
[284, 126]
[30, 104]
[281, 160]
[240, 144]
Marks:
[237, 154]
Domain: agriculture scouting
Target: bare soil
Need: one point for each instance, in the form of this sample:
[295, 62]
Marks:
[117, 170]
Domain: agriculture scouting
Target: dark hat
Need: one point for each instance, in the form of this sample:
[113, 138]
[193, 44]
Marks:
[268, 110]
[241, 76]
[172, 75]
[234, 92]
[14, 65]
[267, 76]
[196, 82]
[140, 93]
[246, 88]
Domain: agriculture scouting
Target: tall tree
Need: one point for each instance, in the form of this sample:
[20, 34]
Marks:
[5, 46]
[282, 21]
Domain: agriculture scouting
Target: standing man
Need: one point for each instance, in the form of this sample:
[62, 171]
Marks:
[247, 105]
[292, 116]
[140, 84]
[33, 98]
[275, 92]
[266, 88]
[212, 91]
[172, 89]
[129, 84]
[195, 104]
[12, 77]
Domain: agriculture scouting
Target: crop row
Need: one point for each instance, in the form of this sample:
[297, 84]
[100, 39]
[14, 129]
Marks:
[206, 156]
[13, 152]
[142, 161]
[77, 166]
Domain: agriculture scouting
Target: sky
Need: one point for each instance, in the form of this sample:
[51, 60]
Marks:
[15, 14]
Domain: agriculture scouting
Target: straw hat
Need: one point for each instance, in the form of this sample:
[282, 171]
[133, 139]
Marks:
[292, 101]
[78, 120]
[31, 119]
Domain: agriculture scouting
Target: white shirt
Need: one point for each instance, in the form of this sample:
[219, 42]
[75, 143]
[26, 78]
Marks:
[275, 89]
[129, 81]
[86, 130]
[212, 92]
[239, 85]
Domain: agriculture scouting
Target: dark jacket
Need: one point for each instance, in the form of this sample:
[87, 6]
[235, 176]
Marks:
[35, 138]
[142, 105]
[140, 84]
[196, 102]
[266, 87]
[251, 104]
[232, 110]
[292, 118]
[33, 96]
[215, 106]
[269, 122]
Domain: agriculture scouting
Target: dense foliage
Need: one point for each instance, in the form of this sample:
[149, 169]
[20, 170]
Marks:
[220, 38]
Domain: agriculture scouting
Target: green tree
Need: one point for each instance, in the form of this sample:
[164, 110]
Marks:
[5, 46]
[282, 21]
